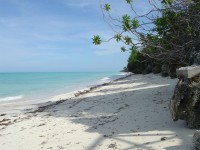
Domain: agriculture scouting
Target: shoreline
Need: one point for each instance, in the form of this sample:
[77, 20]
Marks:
[26, 105]
[130, 113]
[75, 94]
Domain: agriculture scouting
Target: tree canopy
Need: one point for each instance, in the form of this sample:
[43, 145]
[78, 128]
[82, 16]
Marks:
[169, 32]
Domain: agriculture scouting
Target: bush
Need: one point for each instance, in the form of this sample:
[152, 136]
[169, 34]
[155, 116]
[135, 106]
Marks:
[136, 62]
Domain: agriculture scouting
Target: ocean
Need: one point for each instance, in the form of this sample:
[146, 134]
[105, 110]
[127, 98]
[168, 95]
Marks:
[43, 86]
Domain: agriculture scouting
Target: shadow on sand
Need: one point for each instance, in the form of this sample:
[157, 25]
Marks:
[125, 114]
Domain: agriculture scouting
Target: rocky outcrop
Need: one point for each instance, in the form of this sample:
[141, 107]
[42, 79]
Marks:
[195, 56]
[156, 69]
[170, 69]
[148, 69]
[196, 140]
[146, 65]
[165, 69]
[185, 104]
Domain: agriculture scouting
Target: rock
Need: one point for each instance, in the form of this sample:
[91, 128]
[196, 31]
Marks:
[171, 70]
[140, 65]
[196, 140]
[136, 68]
[164, 70]
[188, 72]
[185, 103]
[197, 59]
[156, 69]
[148, 69]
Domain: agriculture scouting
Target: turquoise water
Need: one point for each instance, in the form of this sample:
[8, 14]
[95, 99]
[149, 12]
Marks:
[38, 86]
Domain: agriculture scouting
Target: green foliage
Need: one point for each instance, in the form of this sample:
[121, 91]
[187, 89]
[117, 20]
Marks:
[135, 23]
[133, 48]
[166, 34]
[135, 62]
[129, 1]
[126, 19]
[118, 37]
[165, 23]
[128, 24]
[189, 29]
[123, 49]
[107, 7]
[96, 40]
[133, 57]
[128, 40]
[167, 2]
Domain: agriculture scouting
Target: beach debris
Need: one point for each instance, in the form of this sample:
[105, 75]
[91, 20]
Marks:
[163, 138]
[113, 145]
[44, 142]
[2, 114]
[60, 147]
[42, 108]
[81, 93]
[4, 120]
[134, 131]
[41, 124]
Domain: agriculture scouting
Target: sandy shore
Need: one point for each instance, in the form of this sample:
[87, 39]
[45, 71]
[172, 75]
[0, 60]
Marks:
[127, 114]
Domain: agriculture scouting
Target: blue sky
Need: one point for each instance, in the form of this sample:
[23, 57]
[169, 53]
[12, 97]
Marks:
[55, 35]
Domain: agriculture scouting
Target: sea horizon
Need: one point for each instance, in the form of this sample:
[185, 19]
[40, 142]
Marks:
[57, 71]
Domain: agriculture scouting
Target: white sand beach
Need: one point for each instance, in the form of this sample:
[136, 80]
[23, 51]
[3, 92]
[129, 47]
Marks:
[128, 114]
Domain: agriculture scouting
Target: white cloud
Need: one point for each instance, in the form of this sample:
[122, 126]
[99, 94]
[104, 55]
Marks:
[30, 36]
[81, 3]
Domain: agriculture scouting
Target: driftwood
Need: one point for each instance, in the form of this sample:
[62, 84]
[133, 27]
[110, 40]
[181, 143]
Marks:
[185, 103]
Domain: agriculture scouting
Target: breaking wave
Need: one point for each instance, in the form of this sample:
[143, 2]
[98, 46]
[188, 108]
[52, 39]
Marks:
[10, 98]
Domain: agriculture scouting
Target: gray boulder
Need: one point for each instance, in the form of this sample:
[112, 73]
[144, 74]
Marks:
[185, 103]
[196, 140]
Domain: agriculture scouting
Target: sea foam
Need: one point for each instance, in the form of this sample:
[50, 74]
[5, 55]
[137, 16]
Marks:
[10, 98]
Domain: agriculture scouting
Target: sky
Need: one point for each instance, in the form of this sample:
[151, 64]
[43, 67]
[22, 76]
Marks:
[56, 36]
